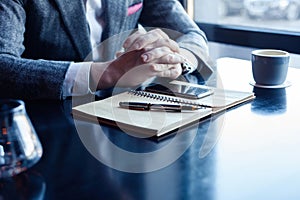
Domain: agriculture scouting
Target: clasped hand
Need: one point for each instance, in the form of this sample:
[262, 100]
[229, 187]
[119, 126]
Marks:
[146, 55]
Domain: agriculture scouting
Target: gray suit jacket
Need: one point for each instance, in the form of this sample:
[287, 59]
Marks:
[39, 38]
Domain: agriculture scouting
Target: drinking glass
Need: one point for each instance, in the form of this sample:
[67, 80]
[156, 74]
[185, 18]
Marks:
[20, 147]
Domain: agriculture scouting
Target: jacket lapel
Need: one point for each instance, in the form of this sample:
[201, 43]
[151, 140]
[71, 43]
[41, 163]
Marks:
[115, 15]
[73, 15]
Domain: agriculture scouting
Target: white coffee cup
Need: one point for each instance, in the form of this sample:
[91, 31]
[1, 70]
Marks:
[269, 66]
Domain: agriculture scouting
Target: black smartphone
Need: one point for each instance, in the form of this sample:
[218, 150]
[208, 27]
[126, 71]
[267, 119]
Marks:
[185, 91]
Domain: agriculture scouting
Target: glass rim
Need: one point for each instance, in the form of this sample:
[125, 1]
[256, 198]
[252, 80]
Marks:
[15, 105]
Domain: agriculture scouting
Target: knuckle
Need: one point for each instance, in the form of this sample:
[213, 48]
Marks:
[158, 33]
[177, 73]
[140, 41]
[153, 67]
[156, 30]
[165, 41]
[170, 58]
[162, 33]
[175, 44]
[165, 49]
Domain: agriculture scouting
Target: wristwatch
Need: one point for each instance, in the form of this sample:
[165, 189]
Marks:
[186, 68]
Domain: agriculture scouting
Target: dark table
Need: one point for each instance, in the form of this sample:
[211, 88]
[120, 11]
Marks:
[249, 152]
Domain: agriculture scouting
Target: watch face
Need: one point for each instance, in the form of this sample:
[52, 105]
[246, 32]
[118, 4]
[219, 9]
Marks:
[186, 68]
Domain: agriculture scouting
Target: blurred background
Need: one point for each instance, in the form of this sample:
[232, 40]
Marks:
[253, 23]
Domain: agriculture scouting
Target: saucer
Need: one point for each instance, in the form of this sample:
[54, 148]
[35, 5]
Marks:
[283, 85]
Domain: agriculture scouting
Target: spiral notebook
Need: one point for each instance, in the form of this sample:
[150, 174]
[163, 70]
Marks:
[153, 122]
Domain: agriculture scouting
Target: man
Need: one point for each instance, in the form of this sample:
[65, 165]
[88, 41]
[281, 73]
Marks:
[44, 43]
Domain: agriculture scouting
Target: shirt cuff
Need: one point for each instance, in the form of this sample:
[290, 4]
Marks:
[77, 78]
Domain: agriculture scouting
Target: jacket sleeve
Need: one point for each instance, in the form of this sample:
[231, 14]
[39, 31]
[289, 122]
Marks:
[20, 77]
[170, 15]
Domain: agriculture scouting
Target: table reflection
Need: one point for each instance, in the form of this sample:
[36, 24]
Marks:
[28, 185]
[269, 101]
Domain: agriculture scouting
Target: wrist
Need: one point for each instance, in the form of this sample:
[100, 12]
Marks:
[100, 76]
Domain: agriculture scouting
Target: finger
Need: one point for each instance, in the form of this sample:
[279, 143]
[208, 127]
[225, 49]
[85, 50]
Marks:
[130, 40]
[151, 37]
[162, 55]
[159, 32]
[155, 53]
[164, 42]
[162, 67]
[172, 72]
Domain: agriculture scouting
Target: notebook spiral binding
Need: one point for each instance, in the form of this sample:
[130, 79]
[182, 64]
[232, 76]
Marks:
[166, 98]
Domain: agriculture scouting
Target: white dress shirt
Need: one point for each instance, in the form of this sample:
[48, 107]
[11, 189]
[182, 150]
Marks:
[76, 81]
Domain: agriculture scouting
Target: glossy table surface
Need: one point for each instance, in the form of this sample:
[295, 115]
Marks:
[249, 152]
